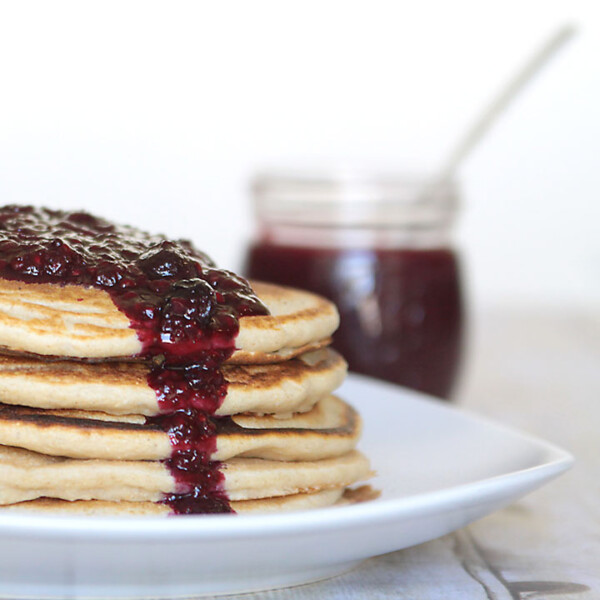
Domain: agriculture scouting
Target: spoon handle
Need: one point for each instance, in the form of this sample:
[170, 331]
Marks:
[503, 99]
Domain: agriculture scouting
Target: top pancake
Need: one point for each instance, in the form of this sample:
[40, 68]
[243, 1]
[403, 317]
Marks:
[78, 322]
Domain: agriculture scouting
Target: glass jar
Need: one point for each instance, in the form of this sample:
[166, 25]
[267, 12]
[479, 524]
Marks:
[380, 248]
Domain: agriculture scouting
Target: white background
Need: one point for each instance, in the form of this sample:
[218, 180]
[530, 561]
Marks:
[157, 114]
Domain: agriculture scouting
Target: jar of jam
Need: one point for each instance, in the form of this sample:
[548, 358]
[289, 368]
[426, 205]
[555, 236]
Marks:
[380, 248]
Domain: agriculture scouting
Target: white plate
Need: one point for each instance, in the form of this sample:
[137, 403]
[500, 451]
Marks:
[439, 469]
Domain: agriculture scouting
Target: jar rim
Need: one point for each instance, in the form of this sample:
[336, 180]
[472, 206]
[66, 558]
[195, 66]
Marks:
[354, 197]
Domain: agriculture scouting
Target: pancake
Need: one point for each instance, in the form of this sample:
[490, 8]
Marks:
[26, 475]
[83, 322]
[294, 502]
[122, 388]
[330, 428]
[277, 504]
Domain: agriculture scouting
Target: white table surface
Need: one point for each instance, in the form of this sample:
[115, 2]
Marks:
[540, 372]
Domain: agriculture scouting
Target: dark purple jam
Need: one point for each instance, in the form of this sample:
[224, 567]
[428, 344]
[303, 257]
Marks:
[401, 309]
[183, 309]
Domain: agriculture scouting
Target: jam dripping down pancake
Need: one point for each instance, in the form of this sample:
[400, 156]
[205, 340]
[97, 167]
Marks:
[183, 309]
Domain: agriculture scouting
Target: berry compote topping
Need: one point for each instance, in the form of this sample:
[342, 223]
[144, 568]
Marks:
[184, 310]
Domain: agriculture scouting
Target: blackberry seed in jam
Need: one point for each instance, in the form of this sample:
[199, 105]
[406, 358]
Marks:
[184, 310]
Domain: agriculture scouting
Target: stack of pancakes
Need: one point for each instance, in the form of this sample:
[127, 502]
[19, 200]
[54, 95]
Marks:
[76, 421]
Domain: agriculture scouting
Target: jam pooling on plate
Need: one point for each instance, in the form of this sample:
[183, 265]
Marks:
[184, 310]
[400, 308]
